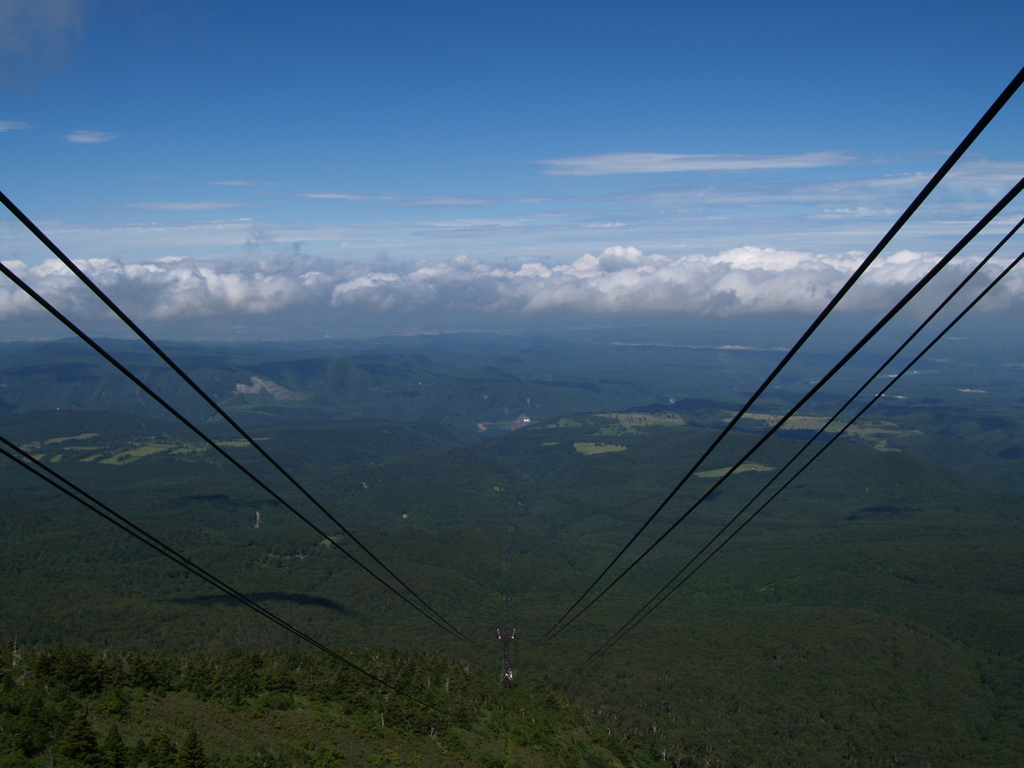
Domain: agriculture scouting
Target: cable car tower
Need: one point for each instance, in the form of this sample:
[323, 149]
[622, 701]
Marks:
[506, 634]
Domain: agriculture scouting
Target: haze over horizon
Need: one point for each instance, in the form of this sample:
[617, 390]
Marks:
[398, 167]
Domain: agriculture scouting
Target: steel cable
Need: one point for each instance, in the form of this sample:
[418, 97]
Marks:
[51, 246]
[148, 390]
[964, 241]
[964, 145]
[647, 608]
[126, 525]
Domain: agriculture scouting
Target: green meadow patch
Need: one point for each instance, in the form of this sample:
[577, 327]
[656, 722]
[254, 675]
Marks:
[748, 467]
[590, 449]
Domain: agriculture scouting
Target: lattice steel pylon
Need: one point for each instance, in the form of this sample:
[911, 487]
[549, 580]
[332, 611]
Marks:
[506, 634]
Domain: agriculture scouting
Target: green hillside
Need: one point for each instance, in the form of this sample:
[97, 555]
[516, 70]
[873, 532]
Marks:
[870, 614]
[292, 708]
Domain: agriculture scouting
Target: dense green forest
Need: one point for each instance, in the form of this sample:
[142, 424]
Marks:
[872, 615]
[467, 379]
[68, 706]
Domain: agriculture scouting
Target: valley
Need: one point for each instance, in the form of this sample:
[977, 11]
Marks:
[872, 609]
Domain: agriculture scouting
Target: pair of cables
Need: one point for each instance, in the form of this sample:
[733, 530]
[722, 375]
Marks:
[426, 610]
[564, 621]
[679, 579]
[65, 486]
[932, 273]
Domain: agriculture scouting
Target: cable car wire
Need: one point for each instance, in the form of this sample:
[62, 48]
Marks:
[52, 247]
[184, 420]
[964, 145]
[920, 285]
[878, 372]
[126, 525]
[648, 608]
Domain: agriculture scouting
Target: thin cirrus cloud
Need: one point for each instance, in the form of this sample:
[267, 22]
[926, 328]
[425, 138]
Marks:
[974, 180]
[240, 183]
[91, 137]
[345, 196]
[204, 205]
[744, 280]
[407, 200]
[36, 35]
[621, 163]
[12, 125]
[447, 200]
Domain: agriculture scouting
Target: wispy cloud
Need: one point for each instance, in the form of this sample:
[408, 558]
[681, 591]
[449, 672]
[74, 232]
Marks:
[450, 200]
[985, 178]
[35, 36]
[619, 163]
[658, 214]
[345, 196]
[91, 137]
[205, 205]
[240, 183]
[409, 200]
[463, 224]
[12, 125]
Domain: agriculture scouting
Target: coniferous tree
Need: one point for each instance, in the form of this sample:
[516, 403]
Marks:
[161, 751]
[115, 749]
[279, 679]
[79, 743]
[191, 753]
[139, 754]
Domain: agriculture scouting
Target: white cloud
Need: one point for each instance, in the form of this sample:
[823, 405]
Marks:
[748, 280]
[345, 196]
[744, 280]
[174, 289]
[205, 205]
[91, 137]
[413, 200]
[617, 163]
[240, 183]
[12, 125]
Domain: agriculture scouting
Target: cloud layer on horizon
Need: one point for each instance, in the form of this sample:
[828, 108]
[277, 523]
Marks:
[745, 280]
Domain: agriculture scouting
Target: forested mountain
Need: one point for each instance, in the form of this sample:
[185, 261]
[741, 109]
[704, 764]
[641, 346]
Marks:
[870, 614]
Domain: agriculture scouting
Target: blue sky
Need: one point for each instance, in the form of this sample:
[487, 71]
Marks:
[265, 143]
